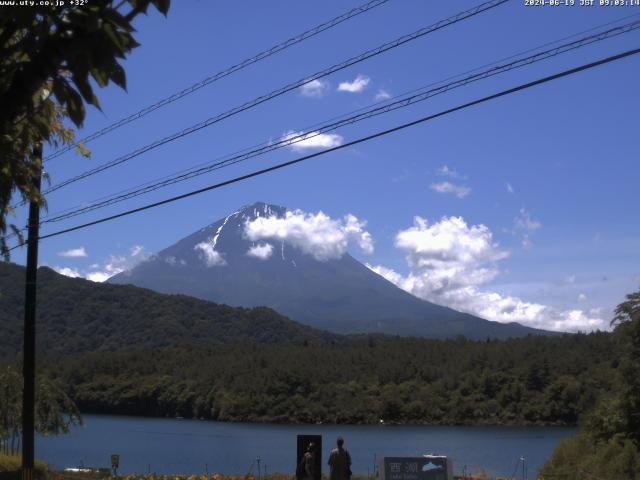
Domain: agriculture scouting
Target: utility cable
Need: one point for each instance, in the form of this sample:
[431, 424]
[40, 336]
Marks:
[223, 73]
[292, 139]
[362, 109]
[382, 133]
[281, 91]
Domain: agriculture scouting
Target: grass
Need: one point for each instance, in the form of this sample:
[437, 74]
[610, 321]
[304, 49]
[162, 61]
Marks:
[10, 468]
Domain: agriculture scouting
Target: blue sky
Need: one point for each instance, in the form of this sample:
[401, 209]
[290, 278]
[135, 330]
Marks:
[525, 204]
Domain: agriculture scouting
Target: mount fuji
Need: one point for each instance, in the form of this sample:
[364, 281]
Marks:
[219, 263]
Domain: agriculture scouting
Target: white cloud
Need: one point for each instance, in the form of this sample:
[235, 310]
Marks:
[509, 188]
[114, 264]
[173, 261]
[315, 89]
[68, 272]
[448, 263]
[525, 226]
[445, 171]
[73, 253]
[382, 95]
[211, 256]
[449, 254]
[99, 276]
[525, 223]
[582, 297]
[459, 191]
[262, 251]
[569, 279]
[300, 141]
[315, 234]
[357, 86]
[117, 264]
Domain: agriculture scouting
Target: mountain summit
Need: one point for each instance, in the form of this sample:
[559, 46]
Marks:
[223, 264]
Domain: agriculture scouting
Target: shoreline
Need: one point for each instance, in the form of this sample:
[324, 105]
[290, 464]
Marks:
[328, 424]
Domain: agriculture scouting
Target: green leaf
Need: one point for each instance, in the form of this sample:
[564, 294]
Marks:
[115, 38]
[85, 89]
[75, 107]
[162, 6]
[118, 76]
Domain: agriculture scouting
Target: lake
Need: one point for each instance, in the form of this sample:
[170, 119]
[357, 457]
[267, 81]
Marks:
[173, 446]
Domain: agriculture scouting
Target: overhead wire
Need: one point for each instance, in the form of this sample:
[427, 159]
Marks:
[282, 90]
[314, 126]
[311, 132]
[222, 74]
[367, 138]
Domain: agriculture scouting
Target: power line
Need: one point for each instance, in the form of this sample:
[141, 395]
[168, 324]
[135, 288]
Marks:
[293, 139]
[382, 133]
[581, 42]
[224, 73]
[287, 88]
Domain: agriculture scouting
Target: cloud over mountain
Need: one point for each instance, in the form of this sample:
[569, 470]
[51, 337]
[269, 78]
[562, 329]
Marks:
[210, 255]
[450, 261]
[112, 265]
[315, 234]
[263, 251]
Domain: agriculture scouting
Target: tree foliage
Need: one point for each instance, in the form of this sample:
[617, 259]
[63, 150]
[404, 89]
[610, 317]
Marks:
[55, 412]
[49, 58]
[608, 442]
[528, 381]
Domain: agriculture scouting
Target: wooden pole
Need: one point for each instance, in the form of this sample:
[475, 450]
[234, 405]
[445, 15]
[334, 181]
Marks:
[29, 348]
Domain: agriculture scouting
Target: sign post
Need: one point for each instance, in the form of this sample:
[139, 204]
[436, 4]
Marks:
[115, 463]
[427, 467]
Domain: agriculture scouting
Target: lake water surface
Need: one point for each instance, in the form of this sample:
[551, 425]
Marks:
[193, 446]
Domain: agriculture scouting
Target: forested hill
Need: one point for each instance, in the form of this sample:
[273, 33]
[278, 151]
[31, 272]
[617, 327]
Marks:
[76, 315]
[533, 380]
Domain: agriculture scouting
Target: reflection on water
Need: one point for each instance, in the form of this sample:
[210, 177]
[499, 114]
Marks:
[193, 446]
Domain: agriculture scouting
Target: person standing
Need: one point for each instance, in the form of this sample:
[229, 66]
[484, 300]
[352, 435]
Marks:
[307, 466]
[339, 462]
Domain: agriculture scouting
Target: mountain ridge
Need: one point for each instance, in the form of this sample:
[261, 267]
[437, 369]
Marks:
[340, 295]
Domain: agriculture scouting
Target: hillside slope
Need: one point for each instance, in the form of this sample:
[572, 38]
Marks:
[76, 315]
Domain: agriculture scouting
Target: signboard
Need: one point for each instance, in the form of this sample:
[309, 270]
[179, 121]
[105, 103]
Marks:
[303, 444]
[115, 463]
[427, 467]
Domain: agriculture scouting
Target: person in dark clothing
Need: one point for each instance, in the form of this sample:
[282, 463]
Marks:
[306, 469]
[340, 462]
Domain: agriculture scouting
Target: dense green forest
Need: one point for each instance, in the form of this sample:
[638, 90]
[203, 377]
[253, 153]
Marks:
[76, 315]
[255, 365]
[534, 380]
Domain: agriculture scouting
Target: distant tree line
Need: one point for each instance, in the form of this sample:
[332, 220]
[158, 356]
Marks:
[528, 381]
